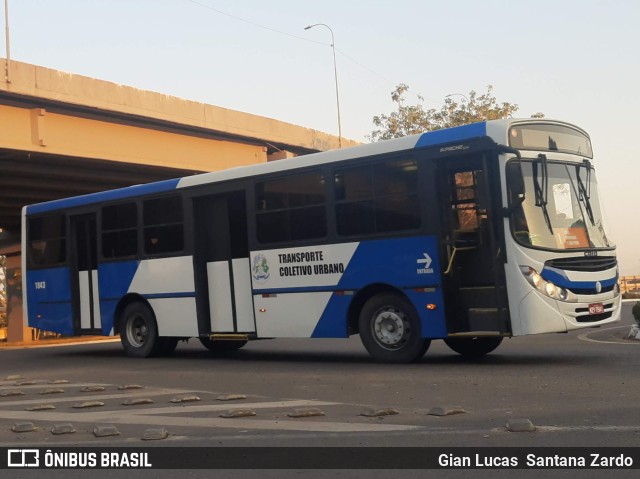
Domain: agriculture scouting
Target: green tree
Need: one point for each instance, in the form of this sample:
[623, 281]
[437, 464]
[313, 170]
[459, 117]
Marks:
[456, 110]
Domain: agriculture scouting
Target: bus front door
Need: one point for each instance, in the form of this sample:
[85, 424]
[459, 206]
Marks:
[221, 262]
[474, 282]
[84, 282]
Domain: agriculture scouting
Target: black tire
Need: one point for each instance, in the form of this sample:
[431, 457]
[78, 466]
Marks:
[139, 333]
[474, 347]
[222, 346]
[390, 329]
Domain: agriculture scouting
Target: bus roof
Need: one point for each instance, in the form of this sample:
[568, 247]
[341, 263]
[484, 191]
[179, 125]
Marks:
[421, 140]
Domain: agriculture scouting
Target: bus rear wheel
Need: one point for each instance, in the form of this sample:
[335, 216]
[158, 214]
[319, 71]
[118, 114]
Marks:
[390, 329]
[474, 346]
[221, 347]
[139, 333]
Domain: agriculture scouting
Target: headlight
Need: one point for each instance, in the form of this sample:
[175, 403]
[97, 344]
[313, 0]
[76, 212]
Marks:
[546, 287]
[550, 289]
[537, 280]
[563, 294]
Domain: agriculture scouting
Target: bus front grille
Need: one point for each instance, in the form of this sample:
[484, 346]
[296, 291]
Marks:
[586, 263]
[583, 291]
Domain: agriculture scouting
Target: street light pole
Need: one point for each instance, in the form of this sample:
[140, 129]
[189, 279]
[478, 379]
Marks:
[466, 119]
[460, 94]
[335, 75]
[6, 29]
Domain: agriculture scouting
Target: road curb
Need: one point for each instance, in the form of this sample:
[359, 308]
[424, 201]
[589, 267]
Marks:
[54, 343]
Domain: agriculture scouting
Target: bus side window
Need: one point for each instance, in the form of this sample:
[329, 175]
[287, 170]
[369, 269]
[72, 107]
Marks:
[377, 198]
[119, 231]
[47, 241]
[163, 225]
[291, 208]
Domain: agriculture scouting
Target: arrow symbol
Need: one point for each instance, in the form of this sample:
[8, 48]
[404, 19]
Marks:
[426, 261]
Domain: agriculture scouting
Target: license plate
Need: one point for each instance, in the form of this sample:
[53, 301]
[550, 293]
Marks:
[596, 308]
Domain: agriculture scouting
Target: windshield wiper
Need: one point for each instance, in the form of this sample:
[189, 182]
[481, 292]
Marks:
[541, 190]
[585, 191]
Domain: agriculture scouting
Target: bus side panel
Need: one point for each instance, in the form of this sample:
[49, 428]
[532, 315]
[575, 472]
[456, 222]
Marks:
[333, 324]
[114, 280]
[306, 291]
[432, 321]
[169, 286]
[289, 315]
[176, 316]
[49, 300]
[399, 262]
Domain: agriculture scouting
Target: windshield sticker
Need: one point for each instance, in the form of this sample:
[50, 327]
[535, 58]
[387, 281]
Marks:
[571, 238]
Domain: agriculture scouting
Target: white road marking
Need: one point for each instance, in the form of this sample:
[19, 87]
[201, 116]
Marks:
[175, 415]
[585, 336]
[208, 422]
[96, 397]
[48, 384]
[225, 407]
[270, 424]
[44, 344]
[602, 428]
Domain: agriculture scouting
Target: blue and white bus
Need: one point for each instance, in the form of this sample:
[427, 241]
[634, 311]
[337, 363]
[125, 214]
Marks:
[469, 234]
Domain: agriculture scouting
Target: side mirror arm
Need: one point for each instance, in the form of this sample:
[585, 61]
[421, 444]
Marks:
[507, 211]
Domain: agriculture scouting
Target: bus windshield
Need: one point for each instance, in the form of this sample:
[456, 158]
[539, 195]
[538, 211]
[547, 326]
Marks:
[567, 216]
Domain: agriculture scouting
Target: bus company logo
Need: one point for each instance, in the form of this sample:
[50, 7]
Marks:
[260, 268]
[447, 149]
[23, 458]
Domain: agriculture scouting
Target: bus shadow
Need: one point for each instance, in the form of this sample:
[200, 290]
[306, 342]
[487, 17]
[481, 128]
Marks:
[188, 353]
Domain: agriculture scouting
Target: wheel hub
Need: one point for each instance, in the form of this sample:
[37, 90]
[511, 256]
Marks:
[389, 328]
[138, 331]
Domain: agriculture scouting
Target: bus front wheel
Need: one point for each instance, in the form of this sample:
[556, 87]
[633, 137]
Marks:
[475, 346]
[390, 329]
[139, 333]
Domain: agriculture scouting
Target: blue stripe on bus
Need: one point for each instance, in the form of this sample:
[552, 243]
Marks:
[323, 289]
[559, 278]
[450, 135]
[119, 194]
[331, 324]
[114, 280]
[169, 295]
[300, 289]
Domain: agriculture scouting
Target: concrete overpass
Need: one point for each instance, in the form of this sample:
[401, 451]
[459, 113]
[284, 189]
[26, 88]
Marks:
[63, 134]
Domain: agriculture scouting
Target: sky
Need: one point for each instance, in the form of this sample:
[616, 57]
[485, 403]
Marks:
[573, 60]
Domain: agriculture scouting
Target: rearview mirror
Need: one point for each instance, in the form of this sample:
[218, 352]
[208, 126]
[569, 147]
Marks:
[515, 184]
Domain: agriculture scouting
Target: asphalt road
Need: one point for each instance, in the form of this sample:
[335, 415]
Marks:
[578, 389]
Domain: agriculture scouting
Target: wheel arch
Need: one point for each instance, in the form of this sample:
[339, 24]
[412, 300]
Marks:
[361, 297]
[124, 302]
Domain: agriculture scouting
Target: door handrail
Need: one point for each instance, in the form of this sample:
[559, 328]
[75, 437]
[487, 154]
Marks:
[453, 255]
